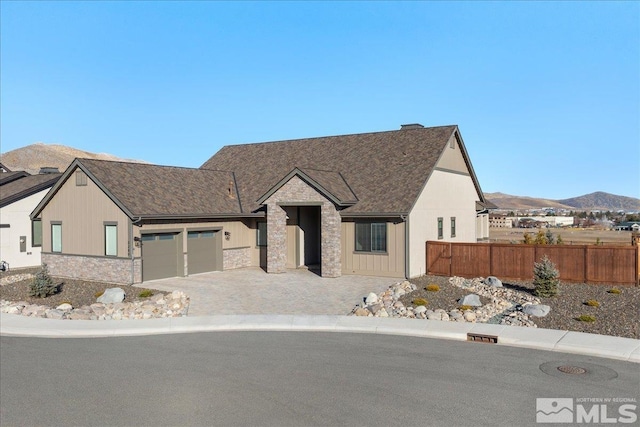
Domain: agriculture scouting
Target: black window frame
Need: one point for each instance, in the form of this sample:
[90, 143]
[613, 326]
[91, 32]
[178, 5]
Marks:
[261, 238]
[365, 244]
[453, 226]
[440, 228]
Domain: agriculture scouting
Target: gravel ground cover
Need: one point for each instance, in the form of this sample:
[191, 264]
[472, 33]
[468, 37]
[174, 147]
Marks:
[76, 292]
[617, 314]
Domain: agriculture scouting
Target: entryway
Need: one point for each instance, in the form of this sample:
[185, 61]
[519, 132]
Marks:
[303, 237]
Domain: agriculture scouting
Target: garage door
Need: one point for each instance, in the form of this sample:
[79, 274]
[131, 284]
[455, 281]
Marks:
[204, 251]
[160, 255]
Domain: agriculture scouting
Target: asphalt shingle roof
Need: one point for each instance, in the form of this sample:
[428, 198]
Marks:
[151, 190]
[14, 190]
[385, 170]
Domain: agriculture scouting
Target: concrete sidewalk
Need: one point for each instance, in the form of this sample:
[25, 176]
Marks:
[542, 339]
[252, 291]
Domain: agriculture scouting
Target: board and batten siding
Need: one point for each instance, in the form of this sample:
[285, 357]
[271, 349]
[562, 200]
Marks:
[390, 264]
[83, 210]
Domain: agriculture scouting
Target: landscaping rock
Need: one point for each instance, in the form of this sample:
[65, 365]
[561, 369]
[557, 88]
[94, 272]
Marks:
[111, 295]
[420, 309]
[362, 312]
[537, 310]
[493, 281]
[472, 300]
[64, 307]
[371, 298]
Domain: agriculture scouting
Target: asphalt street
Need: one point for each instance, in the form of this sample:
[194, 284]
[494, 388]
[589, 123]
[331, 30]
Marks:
[289, 379]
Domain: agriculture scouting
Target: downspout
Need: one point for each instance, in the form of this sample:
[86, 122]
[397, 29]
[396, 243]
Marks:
[405, 218]
[132, 246]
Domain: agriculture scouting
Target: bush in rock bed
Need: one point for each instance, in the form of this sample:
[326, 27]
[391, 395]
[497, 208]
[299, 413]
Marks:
[592, 303]
[146, 293]
[420, 301]
[586, 318]
[432, 288]
[614, 291]
[42, 285]
[546, 278]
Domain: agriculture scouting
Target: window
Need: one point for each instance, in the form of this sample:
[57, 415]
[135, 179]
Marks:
[200, 234]
[81, 178]
[56, 237]
[440, 226]
[371, 237]
[148, 237]
[453, 226]
[111, 239]
[36, 233]
[261, 234]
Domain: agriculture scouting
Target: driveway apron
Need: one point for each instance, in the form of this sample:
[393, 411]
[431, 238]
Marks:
[252, 291]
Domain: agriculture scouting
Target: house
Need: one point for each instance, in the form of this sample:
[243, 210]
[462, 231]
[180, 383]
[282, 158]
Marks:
[20, 192]
[350, 204]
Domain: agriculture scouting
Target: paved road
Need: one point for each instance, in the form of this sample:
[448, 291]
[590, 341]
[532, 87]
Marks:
[288, 379]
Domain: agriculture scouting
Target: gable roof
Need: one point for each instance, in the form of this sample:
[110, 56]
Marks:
[385, 171]
[153, 191]
[330, 184]
[21, 185]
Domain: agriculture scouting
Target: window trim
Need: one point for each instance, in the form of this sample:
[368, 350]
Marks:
[440, 228]
[453, 226]
[34, 244]
[370, 250]
[55, 224]
[106, 245]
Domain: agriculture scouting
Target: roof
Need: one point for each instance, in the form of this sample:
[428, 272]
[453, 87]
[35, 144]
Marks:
[385, 171]
[23, 185]
[153, 191]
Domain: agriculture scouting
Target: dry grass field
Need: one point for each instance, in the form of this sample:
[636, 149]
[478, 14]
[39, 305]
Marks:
[575, 236]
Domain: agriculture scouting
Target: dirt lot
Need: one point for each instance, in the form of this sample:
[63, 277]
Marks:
[575, 236]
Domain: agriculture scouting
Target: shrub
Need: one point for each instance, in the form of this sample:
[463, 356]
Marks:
[432, 288]
[527, 239]
[592, 303]
[465, 308]
[545, 280]
[614, 291]
[146, 293]
[42, 285]
[541, 238]
[586, 318]
[420, 301]
[98, 294]
[559, 240]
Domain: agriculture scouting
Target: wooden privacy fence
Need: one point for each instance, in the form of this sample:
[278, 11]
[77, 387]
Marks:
[576, 263]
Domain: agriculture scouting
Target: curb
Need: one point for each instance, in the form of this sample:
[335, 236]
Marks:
[626, 349]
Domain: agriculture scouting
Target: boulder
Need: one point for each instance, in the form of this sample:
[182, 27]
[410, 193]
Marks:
[420, 309]
[472, 299]
[537, 310]
[111, 295]
[362, 312]
[64, 306]
[371, 298]
[493, 281]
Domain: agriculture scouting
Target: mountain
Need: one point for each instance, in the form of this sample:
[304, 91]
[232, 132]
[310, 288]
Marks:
[594, 201]
[603, 201]
[35, 156]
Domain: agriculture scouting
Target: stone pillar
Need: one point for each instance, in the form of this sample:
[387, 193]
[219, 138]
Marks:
[276, 239]
[330, 231]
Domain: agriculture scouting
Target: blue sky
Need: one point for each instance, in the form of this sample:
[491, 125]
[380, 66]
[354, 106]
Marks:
[546, 94]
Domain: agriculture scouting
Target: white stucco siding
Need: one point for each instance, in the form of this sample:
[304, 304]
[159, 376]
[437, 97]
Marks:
[445, 195]
[16, 216]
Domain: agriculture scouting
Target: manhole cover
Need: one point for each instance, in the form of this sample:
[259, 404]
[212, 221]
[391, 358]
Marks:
[579, 371]
[568, 369]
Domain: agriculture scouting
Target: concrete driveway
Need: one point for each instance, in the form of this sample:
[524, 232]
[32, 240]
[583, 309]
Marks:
[252, 291]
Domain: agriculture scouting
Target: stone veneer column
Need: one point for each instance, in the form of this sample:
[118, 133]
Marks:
[276, 239]
[330, 232]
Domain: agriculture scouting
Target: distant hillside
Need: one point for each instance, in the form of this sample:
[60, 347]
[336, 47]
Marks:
[603, 201]
[595, 201]
[35, 156]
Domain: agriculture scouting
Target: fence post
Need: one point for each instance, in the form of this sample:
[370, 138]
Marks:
[586, 263]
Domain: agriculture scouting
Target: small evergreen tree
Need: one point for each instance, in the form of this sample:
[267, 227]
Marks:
[42, 284]
[559, 241]
[551, 240]
[527, 239]
[546, 278]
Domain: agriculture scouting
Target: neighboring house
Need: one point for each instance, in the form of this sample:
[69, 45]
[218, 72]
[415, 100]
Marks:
[500, 221]
[351, 204]
[20, 193]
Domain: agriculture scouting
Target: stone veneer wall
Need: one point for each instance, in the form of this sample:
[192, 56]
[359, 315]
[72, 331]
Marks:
[103, 269]
[236, 258]
[297, 191]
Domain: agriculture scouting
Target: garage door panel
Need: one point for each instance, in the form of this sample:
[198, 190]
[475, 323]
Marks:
[160, 255]
[204, 249]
